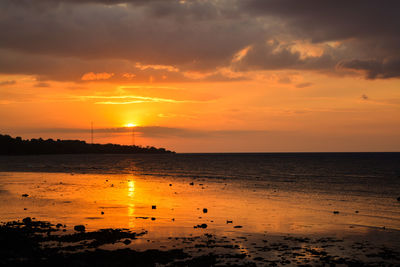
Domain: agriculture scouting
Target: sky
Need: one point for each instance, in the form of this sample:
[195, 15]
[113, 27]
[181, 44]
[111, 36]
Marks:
[204, 75]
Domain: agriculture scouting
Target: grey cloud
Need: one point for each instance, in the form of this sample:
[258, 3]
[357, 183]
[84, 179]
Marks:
[196, 35]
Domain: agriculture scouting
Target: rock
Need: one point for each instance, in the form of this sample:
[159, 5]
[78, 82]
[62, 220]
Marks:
[356, 211]
[27, 220]
[204, 226]
[237, 226]
[335, 212]
[153, 219]
[127, 242]
[191, 183]
[102, 213]
[170, 184]
[153, 207]
[25, 208]
[229, 222]
[398, 199]
[79, 228]
[58, 225]
[25, 195]
[205, 210]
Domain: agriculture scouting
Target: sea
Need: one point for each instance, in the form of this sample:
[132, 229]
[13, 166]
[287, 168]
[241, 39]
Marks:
[329, 194]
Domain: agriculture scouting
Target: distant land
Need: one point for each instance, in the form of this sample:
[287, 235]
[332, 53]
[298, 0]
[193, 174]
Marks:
[18, 146]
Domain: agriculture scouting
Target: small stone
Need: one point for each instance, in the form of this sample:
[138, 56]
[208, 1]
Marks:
[356, 211]
[127, 242]
[205, 210]
[335, 212]
[153, 207]
[229, 221]
[59, 225]
[102, 213]
[170, 184]
[191, 183]
[25, 195]
[237, 226]
[79, 228]
[25, 208]
[153, 219]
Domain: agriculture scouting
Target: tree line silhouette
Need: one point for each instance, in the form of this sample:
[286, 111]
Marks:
[19, 146]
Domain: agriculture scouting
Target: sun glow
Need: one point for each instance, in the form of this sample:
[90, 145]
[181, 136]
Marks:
[130, 125]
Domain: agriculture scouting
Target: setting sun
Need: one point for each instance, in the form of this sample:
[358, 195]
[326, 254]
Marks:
[131, 125]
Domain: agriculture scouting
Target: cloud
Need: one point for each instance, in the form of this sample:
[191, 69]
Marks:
[10, 82]
[91, 76]
[151, 132]
[164, 39]
[303, 85]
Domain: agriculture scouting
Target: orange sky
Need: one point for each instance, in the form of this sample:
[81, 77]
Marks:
[194, 85]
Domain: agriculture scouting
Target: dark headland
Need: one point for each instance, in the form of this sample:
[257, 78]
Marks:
[19, 146]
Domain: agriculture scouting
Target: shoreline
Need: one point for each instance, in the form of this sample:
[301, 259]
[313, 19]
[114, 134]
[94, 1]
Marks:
[29, 242]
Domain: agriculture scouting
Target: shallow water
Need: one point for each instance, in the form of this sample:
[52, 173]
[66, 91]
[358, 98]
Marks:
[274, 193]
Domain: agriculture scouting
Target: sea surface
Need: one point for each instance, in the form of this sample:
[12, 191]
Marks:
[330, 194]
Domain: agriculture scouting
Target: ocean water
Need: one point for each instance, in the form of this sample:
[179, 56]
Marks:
[290, 193]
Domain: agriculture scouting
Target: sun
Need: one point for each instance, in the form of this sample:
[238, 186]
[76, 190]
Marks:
[130, 125]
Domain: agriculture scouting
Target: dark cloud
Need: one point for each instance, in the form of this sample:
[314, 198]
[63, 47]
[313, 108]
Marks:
[63, 39]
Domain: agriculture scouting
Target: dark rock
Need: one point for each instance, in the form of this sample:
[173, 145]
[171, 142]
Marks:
[335, 212]
[27, 220]
[205, 210]
[127, 242]
[153, 207]
[102, 213]
[153, 219]
[170, 184]
[191, 183]
[204, 226]
[229, 221]
[79, 228]
[237, 226]
[398, 199]
[59, 225]
[25, 195]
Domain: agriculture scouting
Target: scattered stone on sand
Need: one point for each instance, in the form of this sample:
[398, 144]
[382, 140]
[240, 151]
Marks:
[237, 226]
[203, 226]
[153, 207]
[79, 228]
[335, 212]
[205, 210]
[229, 221]
[191, 183]
[25, 195]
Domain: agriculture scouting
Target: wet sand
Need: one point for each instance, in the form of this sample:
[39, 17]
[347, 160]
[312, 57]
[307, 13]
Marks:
[189, 222]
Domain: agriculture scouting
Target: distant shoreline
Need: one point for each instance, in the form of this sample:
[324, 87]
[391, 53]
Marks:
[19, 146]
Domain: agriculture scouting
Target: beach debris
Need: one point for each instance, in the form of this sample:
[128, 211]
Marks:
[79, 228]
[205, 210]
[237, 226]
[203, 226]
[229, 221]
[153, 207]
[25, 195]
[191, 183]
[335, 212]
[127, 242]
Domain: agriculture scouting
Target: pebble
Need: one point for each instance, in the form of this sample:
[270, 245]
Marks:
[79, 228]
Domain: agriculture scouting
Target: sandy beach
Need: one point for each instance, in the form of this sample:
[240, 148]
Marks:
[181, 221]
